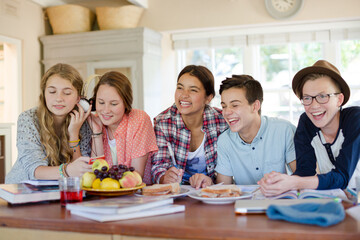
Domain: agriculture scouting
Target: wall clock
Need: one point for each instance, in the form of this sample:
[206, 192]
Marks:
[283, 9]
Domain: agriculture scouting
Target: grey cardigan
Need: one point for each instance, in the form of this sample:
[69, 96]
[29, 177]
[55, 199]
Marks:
[31, 152]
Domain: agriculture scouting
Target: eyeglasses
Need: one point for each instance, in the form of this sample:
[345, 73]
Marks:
[320, 98]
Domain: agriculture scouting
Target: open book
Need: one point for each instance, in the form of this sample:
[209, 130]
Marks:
[120, 205]
[305, 193]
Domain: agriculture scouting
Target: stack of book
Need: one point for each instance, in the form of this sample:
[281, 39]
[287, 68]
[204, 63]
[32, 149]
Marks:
[27, 193]
[124, 207]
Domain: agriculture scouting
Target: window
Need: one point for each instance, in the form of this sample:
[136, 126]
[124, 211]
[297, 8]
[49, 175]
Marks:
[273, 59]
[222, 62]
[278, 65]
[350, 62]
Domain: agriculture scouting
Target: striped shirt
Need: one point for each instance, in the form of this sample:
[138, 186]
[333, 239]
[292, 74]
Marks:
[169, 127]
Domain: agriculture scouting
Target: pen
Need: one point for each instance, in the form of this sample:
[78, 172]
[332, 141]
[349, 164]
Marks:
[257, 189]
[352, 192]
[172, 154]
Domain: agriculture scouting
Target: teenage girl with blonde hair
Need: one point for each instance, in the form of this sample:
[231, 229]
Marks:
[53, 137]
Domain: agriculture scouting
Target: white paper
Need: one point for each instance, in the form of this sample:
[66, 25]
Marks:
[354, 212]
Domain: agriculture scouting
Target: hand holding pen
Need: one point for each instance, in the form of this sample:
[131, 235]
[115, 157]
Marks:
[173, 174]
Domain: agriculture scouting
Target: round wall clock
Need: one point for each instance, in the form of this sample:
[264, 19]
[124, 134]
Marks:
[282, 9]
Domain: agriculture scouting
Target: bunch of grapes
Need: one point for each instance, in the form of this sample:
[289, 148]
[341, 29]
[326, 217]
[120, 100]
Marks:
[115, 172]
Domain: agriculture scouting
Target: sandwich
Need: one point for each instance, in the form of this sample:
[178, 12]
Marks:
[161, 189]
[220, 191]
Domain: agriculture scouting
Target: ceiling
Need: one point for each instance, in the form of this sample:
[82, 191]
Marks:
[48, 3]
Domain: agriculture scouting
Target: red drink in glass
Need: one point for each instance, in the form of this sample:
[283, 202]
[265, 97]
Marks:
[70, 190]
[70, 197]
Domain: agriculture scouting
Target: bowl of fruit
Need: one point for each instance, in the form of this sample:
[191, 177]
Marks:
[111, 181]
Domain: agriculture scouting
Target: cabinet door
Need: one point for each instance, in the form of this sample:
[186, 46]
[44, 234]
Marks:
[126, 67]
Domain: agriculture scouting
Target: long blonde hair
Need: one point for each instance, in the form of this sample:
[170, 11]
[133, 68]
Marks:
[56, 147]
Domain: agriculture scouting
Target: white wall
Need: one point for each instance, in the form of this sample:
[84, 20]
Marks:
[166, 16]
[174, 16]
[170, 15]
[25, 23]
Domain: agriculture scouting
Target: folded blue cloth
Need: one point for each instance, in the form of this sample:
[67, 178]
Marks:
[322, 214]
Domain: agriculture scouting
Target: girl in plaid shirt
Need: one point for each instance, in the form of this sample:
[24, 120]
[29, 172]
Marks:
[189, 129]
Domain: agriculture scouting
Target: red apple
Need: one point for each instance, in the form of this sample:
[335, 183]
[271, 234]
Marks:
[129, 180]
[138, 178]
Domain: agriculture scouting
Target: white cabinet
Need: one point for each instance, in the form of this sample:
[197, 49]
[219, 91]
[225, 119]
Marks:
[135, 52]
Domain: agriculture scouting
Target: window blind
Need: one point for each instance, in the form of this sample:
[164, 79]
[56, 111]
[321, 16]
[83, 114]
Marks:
[267, 34]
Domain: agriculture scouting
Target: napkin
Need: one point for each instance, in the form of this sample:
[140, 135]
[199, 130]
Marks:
[321, 214]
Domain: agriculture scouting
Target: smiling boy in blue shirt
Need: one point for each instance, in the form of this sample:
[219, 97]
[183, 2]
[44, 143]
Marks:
[253, 145]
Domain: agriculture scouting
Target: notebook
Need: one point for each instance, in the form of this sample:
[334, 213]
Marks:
[40, 182]
[260, 206]
[120, 205]
[101, 217]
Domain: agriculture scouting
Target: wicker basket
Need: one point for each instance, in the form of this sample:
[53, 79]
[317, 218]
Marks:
[70, 18]
[127, 16]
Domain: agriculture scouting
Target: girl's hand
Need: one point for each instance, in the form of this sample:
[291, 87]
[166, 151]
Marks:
[200, 180]
[95, 123]
[78, 117]
[172, 175]
[78, 167]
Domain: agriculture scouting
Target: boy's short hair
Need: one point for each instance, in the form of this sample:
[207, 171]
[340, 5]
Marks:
[252, 87]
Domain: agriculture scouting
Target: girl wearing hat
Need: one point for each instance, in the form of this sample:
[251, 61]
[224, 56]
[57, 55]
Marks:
[327, 140]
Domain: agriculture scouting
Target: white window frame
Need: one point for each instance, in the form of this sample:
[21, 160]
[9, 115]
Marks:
[250, 37]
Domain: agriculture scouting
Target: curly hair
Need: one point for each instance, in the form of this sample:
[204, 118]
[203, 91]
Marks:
[56, 147]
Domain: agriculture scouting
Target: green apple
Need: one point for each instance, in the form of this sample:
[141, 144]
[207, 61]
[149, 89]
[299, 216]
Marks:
[99, 163]
[87, 179]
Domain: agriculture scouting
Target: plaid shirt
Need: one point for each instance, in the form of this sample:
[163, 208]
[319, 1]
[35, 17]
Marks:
[169, 127]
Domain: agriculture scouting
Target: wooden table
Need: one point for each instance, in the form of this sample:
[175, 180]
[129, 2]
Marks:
[200, 221]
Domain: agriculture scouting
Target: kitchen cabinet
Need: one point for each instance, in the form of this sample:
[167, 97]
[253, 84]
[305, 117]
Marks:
[135, 52]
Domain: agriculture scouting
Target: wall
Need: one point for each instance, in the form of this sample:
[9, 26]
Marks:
[170, 15]
[26, 24]
[165, 16]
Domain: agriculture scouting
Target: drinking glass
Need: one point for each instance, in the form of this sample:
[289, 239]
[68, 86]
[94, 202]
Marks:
[70, 190]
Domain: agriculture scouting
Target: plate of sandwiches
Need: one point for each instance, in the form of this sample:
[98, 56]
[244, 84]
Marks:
[220, 194]
[172, 190]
